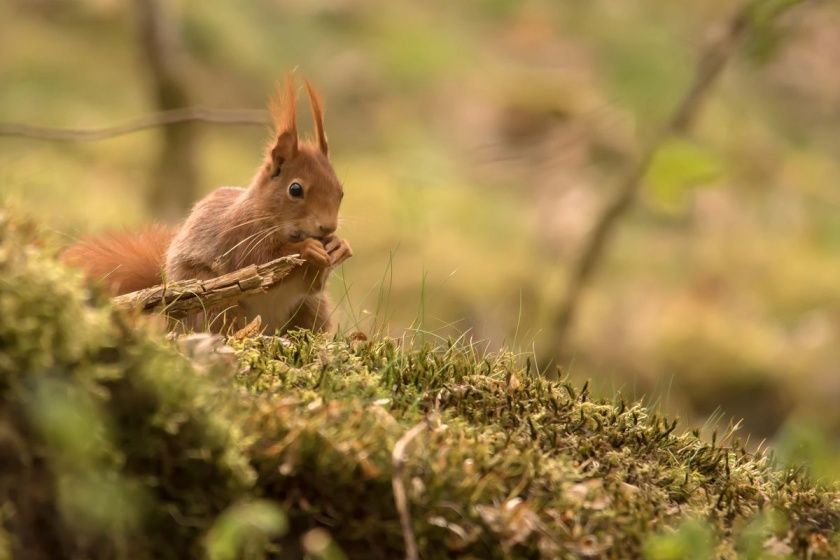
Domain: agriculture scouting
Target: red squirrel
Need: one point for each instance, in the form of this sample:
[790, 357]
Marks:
[290, 207]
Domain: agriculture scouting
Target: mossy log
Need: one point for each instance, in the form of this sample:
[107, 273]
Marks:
[179, 299]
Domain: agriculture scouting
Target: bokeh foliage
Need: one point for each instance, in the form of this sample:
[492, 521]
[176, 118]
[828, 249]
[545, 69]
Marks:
[476, 140]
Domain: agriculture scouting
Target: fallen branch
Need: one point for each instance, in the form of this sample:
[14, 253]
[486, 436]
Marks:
[179, 299]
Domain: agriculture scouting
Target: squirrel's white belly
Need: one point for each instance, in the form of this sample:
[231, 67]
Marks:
[277, 306]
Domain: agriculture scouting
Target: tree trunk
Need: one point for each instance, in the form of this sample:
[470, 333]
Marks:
[176, 178]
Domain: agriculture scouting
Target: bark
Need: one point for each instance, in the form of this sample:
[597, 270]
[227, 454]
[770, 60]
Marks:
[179, 299]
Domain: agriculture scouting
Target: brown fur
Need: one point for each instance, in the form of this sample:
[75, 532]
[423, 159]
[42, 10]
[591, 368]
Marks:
[317, 118]
[234, 227]
[123, 262]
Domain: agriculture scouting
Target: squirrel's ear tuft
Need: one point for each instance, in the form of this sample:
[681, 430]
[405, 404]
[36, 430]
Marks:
[317, 117]
[282, 107]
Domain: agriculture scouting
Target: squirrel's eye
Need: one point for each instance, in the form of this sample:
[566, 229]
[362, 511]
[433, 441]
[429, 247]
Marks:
[296, 190]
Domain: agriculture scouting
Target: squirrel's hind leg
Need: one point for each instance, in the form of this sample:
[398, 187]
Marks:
[216, 320]
[314, 313]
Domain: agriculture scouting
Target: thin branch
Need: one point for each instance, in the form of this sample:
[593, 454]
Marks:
[398, 484]
[179, 299]
[239, 117]
[708, 71]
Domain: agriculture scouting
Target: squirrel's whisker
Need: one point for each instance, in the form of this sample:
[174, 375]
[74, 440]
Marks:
[244, 240]
[254, 244]
[248, 222]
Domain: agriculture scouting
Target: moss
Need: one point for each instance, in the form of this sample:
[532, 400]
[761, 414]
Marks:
[107, 436]
[514, 462]
[113, 444]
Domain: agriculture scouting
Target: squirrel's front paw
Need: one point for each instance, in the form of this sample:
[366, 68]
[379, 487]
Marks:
[313, 252]
[338, 249]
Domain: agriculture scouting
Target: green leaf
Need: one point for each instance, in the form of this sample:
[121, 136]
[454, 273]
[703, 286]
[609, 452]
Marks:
[244, 530]
[693, 540]
[678, 166]
[766, 36]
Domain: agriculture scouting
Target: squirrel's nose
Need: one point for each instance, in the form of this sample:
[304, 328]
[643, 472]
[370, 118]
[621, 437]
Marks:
[326, 229]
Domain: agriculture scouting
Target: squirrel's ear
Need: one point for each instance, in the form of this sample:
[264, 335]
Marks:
[282, 106]
[317, 117]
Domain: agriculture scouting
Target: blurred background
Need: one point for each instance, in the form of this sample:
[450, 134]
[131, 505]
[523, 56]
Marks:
[477, 142]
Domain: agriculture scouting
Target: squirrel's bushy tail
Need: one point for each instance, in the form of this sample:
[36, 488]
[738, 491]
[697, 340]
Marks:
[124, 262]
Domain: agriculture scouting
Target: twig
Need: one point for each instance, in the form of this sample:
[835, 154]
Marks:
[709, 70]
[179, 299]
[244, 117]
[397, 482]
